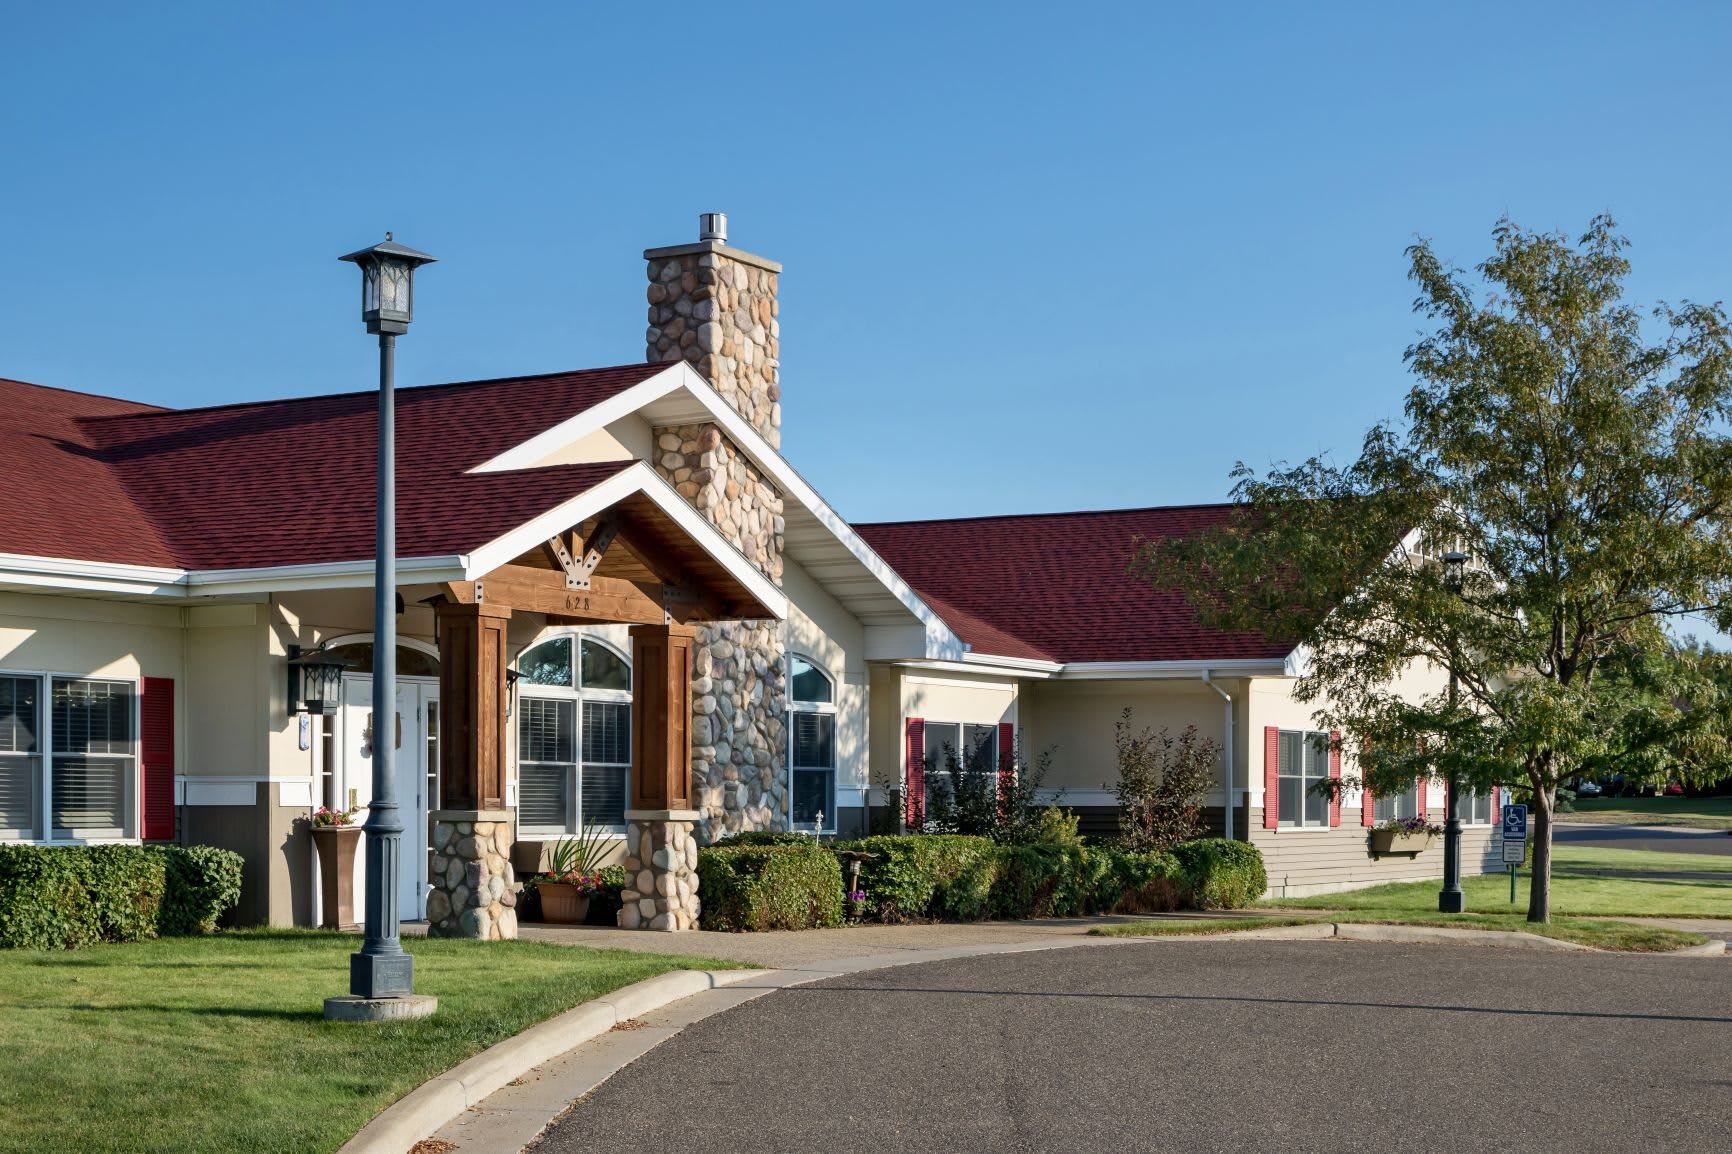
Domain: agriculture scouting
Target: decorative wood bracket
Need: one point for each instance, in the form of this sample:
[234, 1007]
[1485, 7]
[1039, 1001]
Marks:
[578, 573]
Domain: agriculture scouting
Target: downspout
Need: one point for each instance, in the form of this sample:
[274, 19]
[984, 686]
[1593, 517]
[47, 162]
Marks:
[1227, 753]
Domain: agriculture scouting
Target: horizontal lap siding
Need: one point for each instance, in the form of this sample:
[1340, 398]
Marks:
[1300, 863]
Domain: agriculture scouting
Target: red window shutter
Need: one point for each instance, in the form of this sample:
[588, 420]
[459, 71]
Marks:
[1271, 776]
[1335, 773]
[156, 757]
[1006, 763]
[914, 804]
[1419, 789]
[1367, 803]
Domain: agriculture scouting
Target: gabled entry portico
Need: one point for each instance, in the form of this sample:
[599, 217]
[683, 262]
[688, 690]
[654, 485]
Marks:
[636, 562]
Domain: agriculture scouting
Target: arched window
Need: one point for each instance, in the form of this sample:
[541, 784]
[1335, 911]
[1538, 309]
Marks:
[411, 662]
[573, 736]
[811, 745]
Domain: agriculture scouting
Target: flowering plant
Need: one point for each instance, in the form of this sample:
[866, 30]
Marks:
[324, 817]
[1412, 826]
[585, 883]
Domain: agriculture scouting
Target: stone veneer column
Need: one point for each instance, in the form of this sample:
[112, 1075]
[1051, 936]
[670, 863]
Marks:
[474, 892]
[661, 870]
[715, 306]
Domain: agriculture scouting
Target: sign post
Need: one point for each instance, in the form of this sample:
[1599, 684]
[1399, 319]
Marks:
[1515, 842]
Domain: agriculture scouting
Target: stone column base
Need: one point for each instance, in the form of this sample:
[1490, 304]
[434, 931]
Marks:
[474, 889]
[661, 871]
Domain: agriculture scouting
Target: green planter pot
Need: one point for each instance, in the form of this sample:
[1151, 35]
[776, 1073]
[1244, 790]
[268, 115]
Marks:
[1394, 841]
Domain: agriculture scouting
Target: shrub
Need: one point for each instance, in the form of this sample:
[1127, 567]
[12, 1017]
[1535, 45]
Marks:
[766, 837]
[1141, 883]
[1162, 781]
[769, 887]
[967, 796]
[203, 883]
[1221, 874]
[1047, 881]
[65, 897]
[919, 876]
[605, 902]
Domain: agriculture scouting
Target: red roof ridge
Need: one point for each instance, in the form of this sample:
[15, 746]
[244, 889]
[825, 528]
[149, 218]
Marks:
[413, 390]
[1050, 513]
[146, 405]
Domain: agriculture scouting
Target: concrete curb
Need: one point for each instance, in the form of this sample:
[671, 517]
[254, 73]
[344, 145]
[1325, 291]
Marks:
[1429, 935]
[432, 1104]
[1710, 949]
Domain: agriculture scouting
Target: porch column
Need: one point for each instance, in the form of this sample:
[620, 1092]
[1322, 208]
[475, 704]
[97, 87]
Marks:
[661, 859]
[473, 888]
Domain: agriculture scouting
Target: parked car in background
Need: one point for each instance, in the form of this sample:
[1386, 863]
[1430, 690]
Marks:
[1673, 789]
[1588, 789]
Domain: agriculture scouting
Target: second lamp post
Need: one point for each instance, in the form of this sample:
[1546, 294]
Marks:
[1451, 899]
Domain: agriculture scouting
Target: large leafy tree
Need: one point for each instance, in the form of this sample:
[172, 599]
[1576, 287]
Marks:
[1583, 465]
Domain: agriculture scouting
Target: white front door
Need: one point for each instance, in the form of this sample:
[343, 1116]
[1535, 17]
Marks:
[416, 699]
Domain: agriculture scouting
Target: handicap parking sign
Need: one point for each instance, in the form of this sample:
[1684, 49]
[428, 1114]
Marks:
[1515, 835]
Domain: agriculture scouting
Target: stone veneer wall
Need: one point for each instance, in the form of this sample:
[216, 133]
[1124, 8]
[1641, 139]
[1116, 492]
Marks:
[715, 306]
[739, 696]
[661, 870]
[473, 888]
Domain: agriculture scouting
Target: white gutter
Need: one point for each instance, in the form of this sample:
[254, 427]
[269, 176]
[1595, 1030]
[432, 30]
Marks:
[1227, 748]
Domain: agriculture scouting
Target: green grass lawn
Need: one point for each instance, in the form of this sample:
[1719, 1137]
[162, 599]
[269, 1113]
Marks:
[219, 1043]
[1586, 882]
[1691, 812]
[1605, 935]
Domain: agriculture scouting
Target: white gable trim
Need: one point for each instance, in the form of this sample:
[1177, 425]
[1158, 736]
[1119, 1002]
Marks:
[639, 477]
[941, 642]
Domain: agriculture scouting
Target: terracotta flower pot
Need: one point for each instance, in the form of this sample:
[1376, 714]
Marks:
[563, 904]
[336, 845]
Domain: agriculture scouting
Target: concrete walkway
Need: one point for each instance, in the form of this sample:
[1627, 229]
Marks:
[797, 949]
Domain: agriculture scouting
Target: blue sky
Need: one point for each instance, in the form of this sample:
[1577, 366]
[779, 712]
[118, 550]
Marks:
[1038, 257]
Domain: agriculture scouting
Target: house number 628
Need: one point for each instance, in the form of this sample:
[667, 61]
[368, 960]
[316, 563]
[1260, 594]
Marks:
[579, 604]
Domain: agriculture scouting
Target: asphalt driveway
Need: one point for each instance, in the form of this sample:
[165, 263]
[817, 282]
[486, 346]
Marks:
[1659, 839]
[1197, 1045]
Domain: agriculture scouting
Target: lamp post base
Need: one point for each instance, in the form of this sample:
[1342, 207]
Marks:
[352, 1009]
[373, 976]
[1451, 902]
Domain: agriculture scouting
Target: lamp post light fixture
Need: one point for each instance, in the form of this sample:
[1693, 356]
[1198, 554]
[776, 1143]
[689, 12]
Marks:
[1451, 899]
[382, 975]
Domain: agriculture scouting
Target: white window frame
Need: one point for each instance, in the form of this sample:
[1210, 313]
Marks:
[962, 728]
[577, 694]
[1309, 740]
[131, 795]
[1379, 801]
[1467, 799]
[820, 707]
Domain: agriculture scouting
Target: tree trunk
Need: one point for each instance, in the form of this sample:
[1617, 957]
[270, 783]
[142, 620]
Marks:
[1540, 885]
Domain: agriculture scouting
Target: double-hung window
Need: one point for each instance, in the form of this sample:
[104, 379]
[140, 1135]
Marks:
[1398, 806]
[1474, 806]
[75, 748]
[573, 736]
[953, 745]
[1304, 763]
[811, 745]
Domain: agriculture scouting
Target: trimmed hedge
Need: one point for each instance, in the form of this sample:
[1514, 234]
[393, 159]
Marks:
[66, 897]
[1221, 874]
[769, 887]
[928, 875]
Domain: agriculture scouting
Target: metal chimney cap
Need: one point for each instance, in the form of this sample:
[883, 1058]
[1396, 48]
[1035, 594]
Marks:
[713, 226]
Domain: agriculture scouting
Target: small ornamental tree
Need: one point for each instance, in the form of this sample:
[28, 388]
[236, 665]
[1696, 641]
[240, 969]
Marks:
[1162, 782]
[1582, 465]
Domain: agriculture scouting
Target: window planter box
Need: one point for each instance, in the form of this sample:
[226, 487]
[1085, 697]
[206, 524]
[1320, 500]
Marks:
[562, 904]
[1385, 841]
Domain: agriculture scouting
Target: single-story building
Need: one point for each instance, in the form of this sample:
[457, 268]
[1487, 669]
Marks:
[618, 604]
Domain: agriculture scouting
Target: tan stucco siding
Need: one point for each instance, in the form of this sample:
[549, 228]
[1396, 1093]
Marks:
[823, 631]
[628, 438]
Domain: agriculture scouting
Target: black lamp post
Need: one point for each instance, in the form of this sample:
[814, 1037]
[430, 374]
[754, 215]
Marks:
[382, 969]
[1451, 899]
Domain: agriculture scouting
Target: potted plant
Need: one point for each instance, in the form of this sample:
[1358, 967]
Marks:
[1409, 835]
[335, 837]
[573, 875]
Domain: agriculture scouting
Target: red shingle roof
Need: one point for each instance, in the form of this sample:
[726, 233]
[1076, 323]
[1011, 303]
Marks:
[281, 482]
[1053, 586]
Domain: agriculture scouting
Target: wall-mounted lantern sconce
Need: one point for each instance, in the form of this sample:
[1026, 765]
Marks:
[511, 676]
[315, 681]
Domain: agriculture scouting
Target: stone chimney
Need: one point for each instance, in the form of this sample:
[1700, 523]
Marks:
[715, 306]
